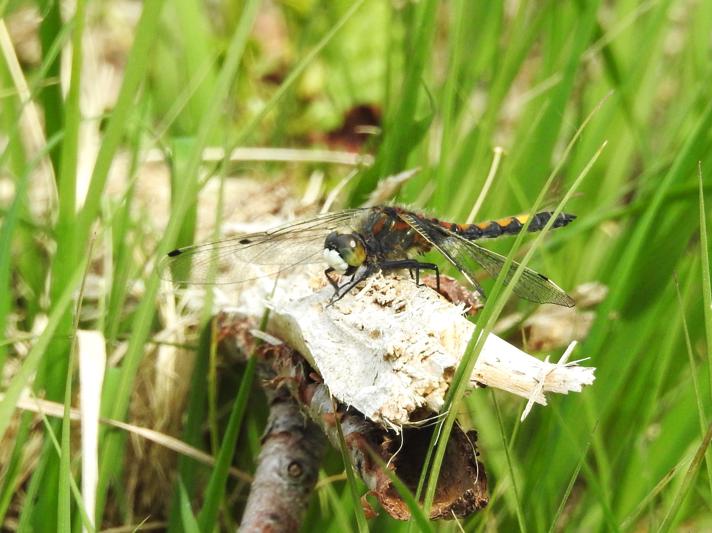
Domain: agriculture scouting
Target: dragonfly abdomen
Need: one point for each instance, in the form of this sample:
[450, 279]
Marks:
[507, 226]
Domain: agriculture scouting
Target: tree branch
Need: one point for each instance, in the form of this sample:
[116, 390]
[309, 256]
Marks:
[288, 468]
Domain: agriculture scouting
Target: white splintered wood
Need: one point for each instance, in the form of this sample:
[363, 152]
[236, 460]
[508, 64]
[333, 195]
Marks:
[392, 347]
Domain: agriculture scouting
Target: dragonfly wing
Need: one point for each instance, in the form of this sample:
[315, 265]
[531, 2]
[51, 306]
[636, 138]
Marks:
[245, 257]
[466, 256]
[531, 285]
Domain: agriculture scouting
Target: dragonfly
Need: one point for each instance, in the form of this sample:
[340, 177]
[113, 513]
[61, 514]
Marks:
[356, 243]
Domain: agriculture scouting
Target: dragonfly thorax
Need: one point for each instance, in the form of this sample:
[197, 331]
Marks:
[344, 251]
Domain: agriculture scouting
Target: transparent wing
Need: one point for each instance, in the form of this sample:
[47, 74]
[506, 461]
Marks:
[466, 256]
[245, 257]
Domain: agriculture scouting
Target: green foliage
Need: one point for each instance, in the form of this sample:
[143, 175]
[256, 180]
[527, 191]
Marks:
[451, 81]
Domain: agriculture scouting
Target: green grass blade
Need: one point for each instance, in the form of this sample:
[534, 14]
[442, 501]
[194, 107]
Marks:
[687, 482]
[633, 253]
[701, 412]
[647, 502]
[207, 518]
[13, 467]
[196, 38]
[449, 94]
[137, 64]
[71, 483]
[706, 277]
[193, 429]
[538, 144]
[512, 474]
[574, 476]
[64, 504]
[488, 316]
[122, 269]
[13, 155]
[24, 375]
[399, 139]
[65, 469]
[67, 174]
[341, 521]
[51, 96]
[296, 72]
[144, 313]
[27, 514]
[350, 477]
[65, 248]
[188, 520]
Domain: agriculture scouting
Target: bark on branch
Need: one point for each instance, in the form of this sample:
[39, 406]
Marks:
[288, 468]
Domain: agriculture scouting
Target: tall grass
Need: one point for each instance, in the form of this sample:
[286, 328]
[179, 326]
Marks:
[452, 81]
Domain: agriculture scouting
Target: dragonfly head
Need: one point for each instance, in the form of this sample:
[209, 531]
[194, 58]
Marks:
[344, 250]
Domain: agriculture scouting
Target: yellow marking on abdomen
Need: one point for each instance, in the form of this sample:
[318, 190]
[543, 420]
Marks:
[522, 219]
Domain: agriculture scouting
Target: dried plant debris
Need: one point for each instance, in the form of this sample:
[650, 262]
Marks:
[551, 327]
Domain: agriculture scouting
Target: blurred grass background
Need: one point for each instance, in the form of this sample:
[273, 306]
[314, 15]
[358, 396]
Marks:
[101, 101]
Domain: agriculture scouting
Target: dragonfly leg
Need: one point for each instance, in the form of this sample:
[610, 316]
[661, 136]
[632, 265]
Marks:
[361, 274]
[413, 265]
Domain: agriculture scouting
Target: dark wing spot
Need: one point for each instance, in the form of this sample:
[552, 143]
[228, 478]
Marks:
[244, 241]
[175, 252]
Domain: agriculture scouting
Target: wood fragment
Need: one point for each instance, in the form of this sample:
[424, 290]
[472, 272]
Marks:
[391, 348]
[386, 352]
[462, 485]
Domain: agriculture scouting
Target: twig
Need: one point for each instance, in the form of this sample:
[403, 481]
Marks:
[288, 468]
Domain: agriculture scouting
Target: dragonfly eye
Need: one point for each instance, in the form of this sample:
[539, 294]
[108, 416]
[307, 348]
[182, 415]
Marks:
[343, 250]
